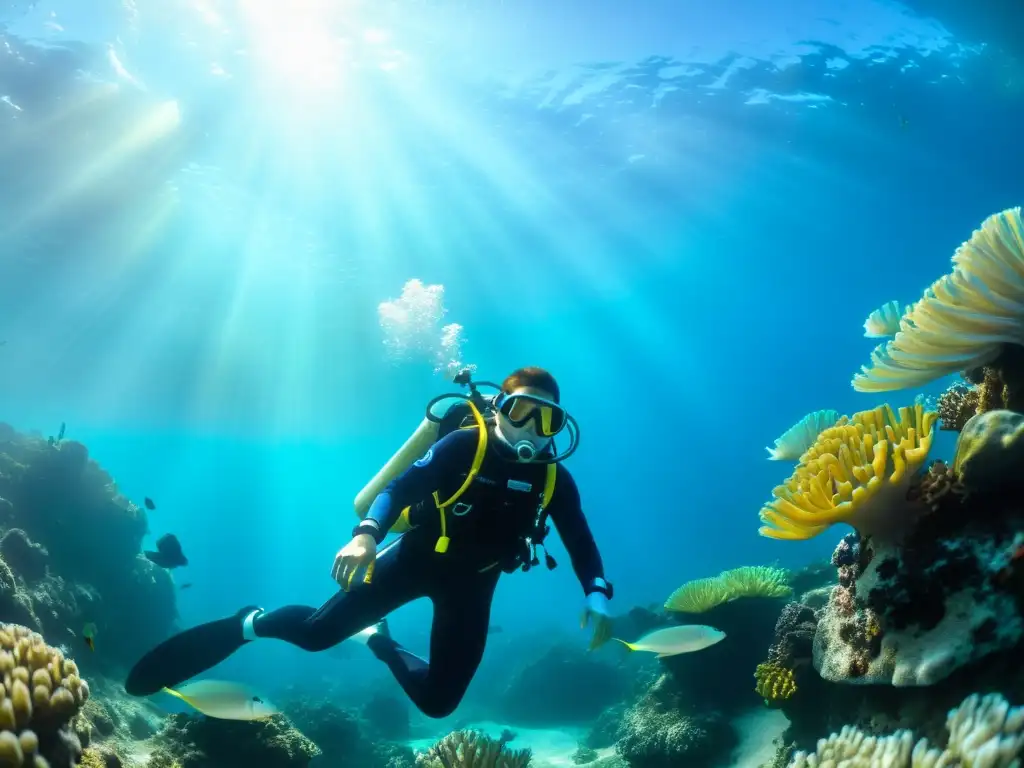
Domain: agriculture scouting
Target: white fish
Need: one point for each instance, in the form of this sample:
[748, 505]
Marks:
[224, 700]
[801, 436]
[672, 641]
[884, 321]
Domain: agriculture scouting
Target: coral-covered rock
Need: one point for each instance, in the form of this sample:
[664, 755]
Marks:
[387, 716]
[73, 546]
[564, 685]
[24, 556]
[188, 741]
[345, 739]
[990, 453]
[910, 614]
[42, 693]
[719, 677]
[605, 730]
[659, 732]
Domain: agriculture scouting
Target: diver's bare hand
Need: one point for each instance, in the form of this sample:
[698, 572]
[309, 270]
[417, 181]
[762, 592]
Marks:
[358, 554]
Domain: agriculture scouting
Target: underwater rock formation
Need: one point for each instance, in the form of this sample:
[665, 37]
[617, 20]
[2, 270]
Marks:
[70, 552]
[41, 694]
[719, 678]
[662, 731]
[387, 716]
[346, 740]
[188, 741]
[565, 685]
[913, 610]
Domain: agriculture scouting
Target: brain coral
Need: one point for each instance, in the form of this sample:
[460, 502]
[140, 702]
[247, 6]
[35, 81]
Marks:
[857, 472]
[990, 451]
[964, 319]
[40, 693]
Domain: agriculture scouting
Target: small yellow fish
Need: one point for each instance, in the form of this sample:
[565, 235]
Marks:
[224, 700]
[672, 641]
[884, 321]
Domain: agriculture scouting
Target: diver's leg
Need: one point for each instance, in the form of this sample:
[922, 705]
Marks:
[462, 613]
[396, 581]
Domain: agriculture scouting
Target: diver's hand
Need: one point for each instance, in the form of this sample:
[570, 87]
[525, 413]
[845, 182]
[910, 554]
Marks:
[596, 610]
[358, 554]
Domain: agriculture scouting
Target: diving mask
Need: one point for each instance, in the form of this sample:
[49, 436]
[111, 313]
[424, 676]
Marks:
[528, 424]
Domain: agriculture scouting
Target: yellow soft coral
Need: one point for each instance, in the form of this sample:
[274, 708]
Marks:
[774, 682]
[964, 318]
[855, 473]
[702, 595]
[41, 691]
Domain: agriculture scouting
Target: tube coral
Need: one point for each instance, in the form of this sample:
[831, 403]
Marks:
[964, 319]
[774, 682]
[855, 473]
[702, 595]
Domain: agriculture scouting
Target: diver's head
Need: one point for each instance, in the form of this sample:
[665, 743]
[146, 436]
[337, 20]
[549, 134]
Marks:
[528, 412]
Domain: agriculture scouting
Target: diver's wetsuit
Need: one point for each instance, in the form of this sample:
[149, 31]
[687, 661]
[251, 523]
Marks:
[487, 529]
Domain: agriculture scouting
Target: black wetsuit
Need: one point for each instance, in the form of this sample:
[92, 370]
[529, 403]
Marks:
[488, 530]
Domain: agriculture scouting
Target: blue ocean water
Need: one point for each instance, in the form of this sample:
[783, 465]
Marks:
[685, 212]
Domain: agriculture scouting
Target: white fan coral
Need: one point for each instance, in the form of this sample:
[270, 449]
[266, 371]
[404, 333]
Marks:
[964, 319]
[801, 436]
[884, 321]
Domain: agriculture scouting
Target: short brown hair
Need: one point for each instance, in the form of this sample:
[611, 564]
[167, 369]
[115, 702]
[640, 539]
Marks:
[533, 377]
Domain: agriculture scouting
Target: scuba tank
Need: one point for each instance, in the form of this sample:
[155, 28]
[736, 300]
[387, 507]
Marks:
[437, 423]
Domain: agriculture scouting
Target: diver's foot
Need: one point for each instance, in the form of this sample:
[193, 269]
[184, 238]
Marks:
[190, 653]
[380, 628]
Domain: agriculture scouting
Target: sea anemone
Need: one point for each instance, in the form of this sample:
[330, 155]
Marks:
[702, 595]
[964, 319]
[855, 473]
[801, 436]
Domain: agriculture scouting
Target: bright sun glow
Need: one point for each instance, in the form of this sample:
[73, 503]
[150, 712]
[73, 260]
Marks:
[300, 42]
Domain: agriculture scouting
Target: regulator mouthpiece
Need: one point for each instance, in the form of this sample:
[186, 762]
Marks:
[525, 450]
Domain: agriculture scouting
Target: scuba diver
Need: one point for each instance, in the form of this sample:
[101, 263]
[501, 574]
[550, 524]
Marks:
[473, 505]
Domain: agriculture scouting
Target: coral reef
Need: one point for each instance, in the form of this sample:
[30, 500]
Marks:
[983, 731]
[956, 405]
[701, 595]
[187, 741]
[858, 472]
[660, 731]
[469, 749]
[966, 319]
[40, 695]
[70, 553]
[564, 685]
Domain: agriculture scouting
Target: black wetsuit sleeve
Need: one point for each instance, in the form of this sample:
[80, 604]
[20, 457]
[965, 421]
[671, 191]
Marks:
[566, 512]
[449, 456]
